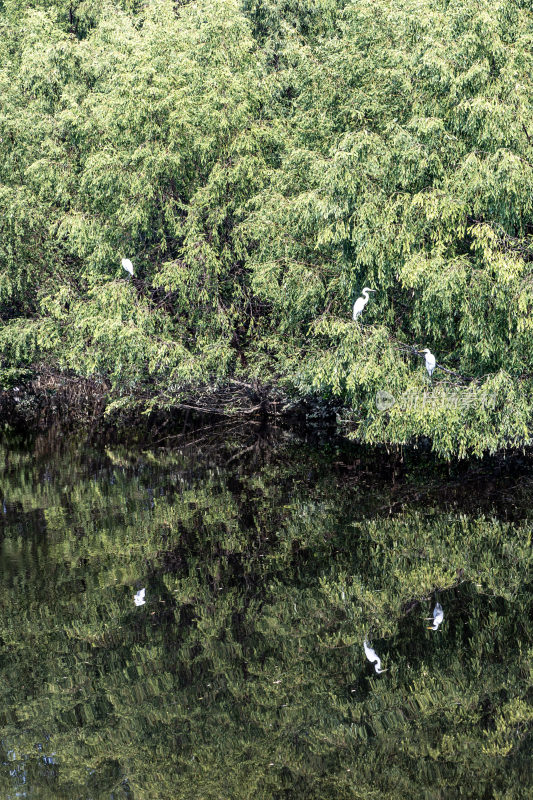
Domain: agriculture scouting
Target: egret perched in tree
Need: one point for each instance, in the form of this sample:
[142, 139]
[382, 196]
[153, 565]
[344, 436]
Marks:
[139, 597]
[438, 616]
[430, 361]
[372, 656]
[128, 266]
[361, 302]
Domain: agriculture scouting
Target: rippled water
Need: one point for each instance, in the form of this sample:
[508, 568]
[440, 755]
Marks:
[187, 621]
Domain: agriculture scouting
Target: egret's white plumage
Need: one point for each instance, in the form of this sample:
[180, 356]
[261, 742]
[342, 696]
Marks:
[128, 266]
[430, 361]
[361, 302]
[438, 616]
[372, 656]
[139, 598]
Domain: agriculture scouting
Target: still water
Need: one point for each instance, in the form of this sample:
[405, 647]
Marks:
[187, 620]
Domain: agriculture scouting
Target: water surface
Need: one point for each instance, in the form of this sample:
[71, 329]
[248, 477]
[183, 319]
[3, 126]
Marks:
[239, 671]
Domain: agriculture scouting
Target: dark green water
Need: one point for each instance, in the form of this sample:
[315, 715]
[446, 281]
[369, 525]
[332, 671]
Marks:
[265, 561]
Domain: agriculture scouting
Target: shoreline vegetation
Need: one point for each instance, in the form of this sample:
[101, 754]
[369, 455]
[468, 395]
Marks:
[53, 398]
[256, 166]
[53, 404]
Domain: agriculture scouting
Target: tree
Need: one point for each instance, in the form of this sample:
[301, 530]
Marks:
[261, 164]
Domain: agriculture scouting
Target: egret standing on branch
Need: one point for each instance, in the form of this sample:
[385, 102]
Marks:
[128, 266]
[430, 361]
[372, 656]
[438, 616]
[361, 302]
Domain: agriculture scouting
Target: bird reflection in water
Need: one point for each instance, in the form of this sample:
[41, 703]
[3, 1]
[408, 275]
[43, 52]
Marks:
[139, 598]
[438, 616]
[372, 656]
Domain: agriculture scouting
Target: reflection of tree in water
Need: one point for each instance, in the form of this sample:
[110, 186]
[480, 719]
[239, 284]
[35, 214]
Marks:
[244, 675]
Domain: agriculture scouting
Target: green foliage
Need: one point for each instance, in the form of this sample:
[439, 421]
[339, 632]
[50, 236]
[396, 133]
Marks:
[261, 163]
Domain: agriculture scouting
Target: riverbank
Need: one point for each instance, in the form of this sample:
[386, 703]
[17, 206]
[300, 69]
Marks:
[54, 405]
[50, 397]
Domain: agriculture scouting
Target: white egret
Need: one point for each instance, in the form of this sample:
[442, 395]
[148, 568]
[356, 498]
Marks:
[430, 361]
[128, 266]
[372, 656]
[438, 616]
[361, 302]
[139, 597]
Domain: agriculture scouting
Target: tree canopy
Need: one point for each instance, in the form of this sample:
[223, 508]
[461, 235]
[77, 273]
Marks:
[260, 163]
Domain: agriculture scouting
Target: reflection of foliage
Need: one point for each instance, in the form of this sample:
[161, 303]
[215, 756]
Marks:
[243, 675]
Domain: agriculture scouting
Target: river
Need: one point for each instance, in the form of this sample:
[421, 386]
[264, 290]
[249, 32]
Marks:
[185, 620]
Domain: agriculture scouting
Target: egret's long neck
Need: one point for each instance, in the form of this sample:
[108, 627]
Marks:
[365, 293]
